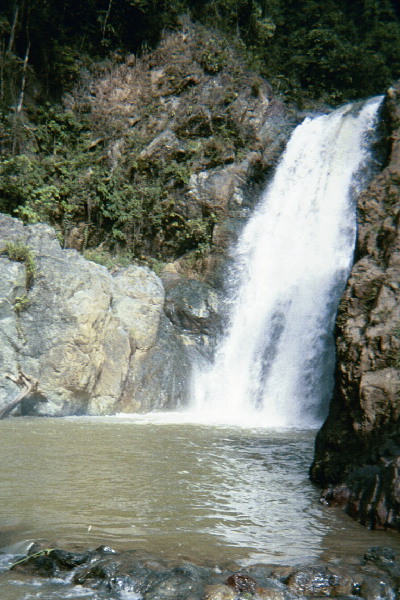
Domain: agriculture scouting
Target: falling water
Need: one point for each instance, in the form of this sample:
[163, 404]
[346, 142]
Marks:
[275, 364]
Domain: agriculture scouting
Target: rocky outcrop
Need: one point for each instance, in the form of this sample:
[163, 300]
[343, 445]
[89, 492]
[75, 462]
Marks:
[197, 134]
[97, 342]
[104, 570]
[357, 454]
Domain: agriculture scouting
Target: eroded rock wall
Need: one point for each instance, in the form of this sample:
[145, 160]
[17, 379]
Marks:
[357, 456]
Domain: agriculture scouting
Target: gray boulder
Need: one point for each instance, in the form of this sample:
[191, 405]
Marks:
[98, 343]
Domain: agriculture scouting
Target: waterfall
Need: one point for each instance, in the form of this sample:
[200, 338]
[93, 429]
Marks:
[275, 364]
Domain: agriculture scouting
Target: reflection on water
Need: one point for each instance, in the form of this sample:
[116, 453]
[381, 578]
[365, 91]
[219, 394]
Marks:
[206, 493]
[181, 489]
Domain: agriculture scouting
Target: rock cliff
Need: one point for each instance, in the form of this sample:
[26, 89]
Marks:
[98, 342]
[357, 455]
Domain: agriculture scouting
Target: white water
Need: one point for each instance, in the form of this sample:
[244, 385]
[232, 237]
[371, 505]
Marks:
[275, 365]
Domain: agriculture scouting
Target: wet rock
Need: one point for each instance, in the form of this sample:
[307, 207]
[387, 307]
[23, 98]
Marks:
[152, 578]
[386, 560]
[49, 562]
[219, 592]
[260, 585]
[106, 550]
[193, 306]
[43, 566]
[159, 378]
[271, 582]
[241, 583]
[100, 574]
[381, 556]
[372, 588]
[147, 576]
[320, 581]
[69, 560]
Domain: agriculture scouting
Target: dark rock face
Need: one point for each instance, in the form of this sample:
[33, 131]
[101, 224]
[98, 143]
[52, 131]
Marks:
[192, 306]
[357, 454]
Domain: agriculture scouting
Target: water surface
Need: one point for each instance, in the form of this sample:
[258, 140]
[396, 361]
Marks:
[206, 493]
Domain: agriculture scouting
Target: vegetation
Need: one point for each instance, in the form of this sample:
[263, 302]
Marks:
[342, 48]
[18, 251]
[21, 303]
[55, 161]
[63, 178]
[337, 49]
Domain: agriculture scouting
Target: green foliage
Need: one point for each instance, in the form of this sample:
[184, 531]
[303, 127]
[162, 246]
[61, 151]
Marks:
[334, 50]
[337, 49]
[212, 59]
[64, 178]
[53, 162]
[395, 354]
[20, 252]
[107, 259]
[393, 359]
[21, 303]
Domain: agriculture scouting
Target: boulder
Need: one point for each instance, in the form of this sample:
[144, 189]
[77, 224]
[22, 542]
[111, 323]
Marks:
[97, 342]
[320, 581]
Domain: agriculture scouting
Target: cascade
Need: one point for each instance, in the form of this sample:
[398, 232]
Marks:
[275, 364]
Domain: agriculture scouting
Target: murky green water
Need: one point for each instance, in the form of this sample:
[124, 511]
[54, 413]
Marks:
[205, 493]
